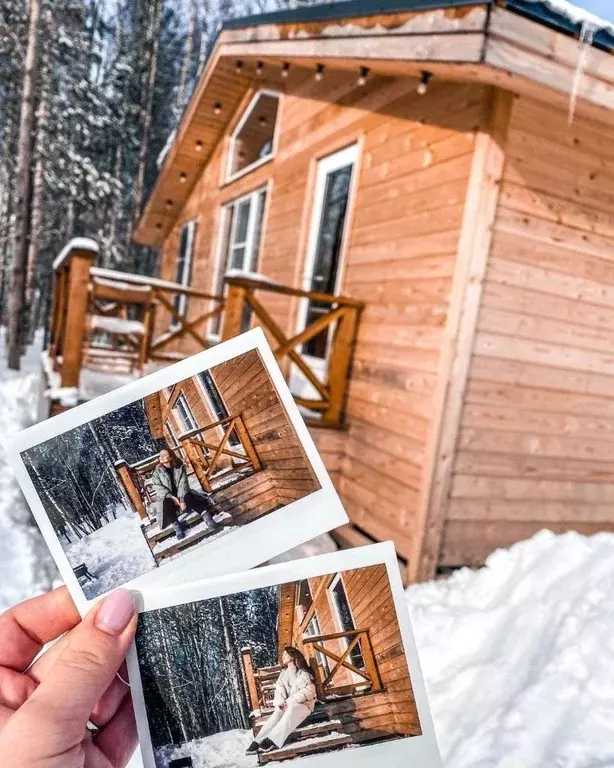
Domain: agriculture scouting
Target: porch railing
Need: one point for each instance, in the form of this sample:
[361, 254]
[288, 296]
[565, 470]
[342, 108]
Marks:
[88, 301]
[341, 663]
[336, 314]
[207, 456]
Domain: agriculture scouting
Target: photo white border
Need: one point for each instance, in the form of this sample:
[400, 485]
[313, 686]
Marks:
[249, 545]
[417, 751]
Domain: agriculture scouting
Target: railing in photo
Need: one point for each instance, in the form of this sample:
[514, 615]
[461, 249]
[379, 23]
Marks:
[338, 314]
[215, 460]
[339, 661]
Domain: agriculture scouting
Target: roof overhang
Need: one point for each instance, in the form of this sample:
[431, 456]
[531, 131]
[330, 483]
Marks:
[460, 40]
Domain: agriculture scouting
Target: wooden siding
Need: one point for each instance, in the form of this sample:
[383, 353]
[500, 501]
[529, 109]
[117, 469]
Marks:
[536, 438]
[416, 155]
[372, 605]
[247, 389]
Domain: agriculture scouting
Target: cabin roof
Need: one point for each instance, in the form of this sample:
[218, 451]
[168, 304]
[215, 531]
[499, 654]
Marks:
[521, 45]
[549, 12]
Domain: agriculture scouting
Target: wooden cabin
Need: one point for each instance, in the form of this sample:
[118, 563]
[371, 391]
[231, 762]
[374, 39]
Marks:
[345, 625]
[416, 205]
[230, 428]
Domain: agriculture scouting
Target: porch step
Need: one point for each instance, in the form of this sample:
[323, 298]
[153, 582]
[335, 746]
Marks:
[309, 746]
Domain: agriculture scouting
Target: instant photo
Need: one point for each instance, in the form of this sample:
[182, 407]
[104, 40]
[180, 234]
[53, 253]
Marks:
[173, 478]
[310, 659]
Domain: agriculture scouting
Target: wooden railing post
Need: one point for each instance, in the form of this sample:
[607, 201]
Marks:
[196, 462]
[123, 470]
[236, 298]
[76, 260]
[368, 657]
[247, 444]
[339, 365]
[248, 666]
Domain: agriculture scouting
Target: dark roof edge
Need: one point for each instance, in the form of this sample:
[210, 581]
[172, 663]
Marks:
[345, 9]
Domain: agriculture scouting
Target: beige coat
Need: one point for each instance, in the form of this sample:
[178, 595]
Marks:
[295, 684]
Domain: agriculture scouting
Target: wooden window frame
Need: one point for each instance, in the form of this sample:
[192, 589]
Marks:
[228, 175]
[181, 397]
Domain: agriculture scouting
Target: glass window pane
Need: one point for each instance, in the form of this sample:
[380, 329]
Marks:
[328, 251]
[259, 214]
[254, 139]
[240, 235]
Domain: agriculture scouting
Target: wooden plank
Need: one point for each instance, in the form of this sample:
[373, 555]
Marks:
[470, 543]
[79, 265]
[472, 260]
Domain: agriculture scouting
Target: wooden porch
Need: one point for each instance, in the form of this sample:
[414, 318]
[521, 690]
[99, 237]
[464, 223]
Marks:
[110, 322]
[334, 723]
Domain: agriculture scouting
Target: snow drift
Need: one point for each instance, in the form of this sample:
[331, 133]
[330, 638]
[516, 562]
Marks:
[517, 656]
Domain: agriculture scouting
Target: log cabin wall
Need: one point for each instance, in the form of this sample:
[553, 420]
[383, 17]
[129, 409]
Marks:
[535, 445]
[415, 159]
[246, 388]
[372, 605]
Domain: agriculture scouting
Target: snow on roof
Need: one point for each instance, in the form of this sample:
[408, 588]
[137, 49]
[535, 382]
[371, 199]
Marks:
[576, 15]
[76, 244]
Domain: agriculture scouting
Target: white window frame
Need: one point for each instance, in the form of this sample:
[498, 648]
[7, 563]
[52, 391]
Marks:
[177, 447]
[187, 268]
[343, 642]
[184, 400]
[229, 176]
[222, 250]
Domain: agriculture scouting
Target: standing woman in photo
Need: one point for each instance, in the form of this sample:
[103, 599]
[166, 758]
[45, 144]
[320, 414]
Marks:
[294, 701]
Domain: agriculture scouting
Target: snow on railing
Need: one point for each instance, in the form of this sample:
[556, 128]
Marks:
[76, 244]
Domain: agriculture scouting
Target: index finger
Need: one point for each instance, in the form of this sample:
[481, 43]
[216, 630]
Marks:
[25, 628]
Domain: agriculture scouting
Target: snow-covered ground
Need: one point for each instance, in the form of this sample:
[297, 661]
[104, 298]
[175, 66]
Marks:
[517, 656]
[114, 554]
[222, 750]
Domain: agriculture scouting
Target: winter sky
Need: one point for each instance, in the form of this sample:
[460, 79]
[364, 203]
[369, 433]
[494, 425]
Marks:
[603, 8]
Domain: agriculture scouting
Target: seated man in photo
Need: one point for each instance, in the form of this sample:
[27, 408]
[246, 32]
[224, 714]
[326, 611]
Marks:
[174, 496]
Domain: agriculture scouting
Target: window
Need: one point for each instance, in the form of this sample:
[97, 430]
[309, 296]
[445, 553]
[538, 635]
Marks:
[252, 142]
[332, 193]
[172, 439]
[218, 406]
[185, 260]
[313, 630]
[344, 618]
[185, 414]
[241, 236]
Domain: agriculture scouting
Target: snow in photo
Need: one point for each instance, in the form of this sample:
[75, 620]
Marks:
[310, 667]
[169, 475]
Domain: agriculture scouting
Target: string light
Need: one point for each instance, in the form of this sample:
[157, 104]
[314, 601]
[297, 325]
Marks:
[239, 67]
[198, 145]
[158, 226]
[217, 108]
[285, 69]
[169, 203]
[262, 120]
[319, 75]
[362, 76]
[183, 177]
[259, 68]
[425, 79]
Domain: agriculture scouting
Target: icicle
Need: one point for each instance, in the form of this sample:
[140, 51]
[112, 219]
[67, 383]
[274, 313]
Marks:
[587, 35]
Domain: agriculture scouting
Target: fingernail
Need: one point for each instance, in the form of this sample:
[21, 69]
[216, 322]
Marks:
[115, 612]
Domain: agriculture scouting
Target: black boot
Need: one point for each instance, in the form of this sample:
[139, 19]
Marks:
[253, 748]
[268, 746]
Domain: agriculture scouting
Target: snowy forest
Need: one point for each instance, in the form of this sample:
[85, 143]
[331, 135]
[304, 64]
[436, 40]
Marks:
[74, 473]
[190, 661]
[91, 91]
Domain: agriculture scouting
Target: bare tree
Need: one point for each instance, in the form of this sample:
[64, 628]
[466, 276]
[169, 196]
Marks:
[23, 193]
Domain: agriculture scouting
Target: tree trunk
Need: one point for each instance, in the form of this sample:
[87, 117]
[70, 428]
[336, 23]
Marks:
[187, 59]
[22, 192]
[153, 37]
[36, 224]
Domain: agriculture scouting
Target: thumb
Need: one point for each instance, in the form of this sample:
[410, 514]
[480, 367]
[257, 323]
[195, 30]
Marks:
[61, 705]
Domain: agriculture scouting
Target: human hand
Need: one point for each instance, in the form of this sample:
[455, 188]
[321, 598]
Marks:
[45, 706]
[182, 506]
